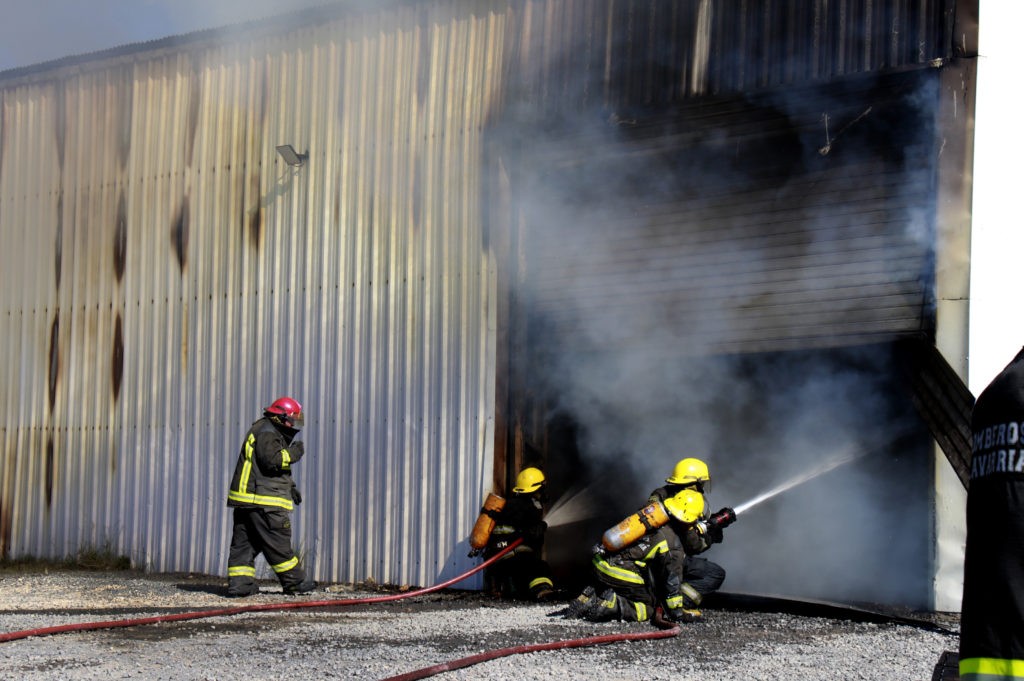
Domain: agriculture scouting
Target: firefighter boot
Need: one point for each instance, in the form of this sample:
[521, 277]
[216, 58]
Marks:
[603, 608]
[542, 589]
[296, 581]
[239, 587]
[303, 587]
[579, 605]
[689, 612]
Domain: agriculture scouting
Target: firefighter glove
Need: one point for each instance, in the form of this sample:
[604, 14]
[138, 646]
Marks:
[714, 534]
[296, 450]
[296, 497]
[709, 533]
[475, 552]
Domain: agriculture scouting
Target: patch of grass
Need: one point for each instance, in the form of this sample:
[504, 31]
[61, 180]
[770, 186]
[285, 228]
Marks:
[87, 558]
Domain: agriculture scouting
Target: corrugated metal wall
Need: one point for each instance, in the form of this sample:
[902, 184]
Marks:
[619, 53]
[166, 275]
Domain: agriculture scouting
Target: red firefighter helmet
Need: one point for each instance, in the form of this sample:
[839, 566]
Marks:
[286, 412]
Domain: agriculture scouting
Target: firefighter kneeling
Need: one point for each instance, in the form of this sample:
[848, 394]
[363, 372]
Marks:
[630, 582]
[522, 574]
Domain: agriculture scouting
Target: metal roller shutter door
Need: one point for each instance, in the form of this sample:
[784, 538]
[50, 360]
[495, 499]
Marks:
[776, 222]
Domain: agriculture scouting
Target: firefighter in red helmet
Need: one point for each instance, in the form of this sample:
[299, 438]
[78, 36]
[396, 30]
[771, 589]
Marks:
[262, 496]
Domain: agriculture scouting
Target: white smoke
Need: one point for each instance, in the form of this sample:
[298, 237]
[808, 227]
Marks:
[647, 384]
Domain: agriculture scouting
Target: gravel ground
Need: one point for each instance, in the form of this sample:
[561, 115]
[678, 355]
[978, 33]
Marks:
[741, 638]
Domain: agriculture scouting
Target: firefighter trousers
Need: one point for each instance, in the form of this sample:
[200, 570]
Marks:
[521, 575]
[616, 593]
[267, 531]
[703, 576]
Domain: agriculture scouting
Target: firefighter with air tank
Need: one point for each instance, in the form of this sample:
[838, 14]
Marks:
[700, 576]
[522, 574]
[638, 566]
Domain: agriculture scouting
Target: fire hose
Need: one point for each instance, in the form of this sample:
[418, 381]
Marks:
[666, 630]
[258, 607]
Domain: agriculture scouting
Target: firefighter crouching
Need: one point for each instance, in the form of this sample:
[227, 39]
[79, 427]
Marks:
[646, 573]
[699, 573]
[262, 496]
[522, 574]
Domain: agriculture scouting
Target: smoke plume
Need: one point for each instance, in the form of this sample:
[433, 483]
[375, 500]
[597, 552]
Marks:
[634, 384]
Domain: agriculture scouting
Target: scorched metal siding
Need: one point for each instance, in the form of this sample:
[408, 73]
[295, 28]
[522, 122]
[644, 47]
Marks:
[166, 275]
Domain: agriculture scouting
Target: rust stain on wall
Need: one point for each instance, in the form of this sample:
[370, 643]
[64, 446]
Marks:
[54, 375]
[253, 217]
[179, 233]
[256, 221]
[120, 236]
[117, 359]
[49, 472]
[58, 239]
[6, 501]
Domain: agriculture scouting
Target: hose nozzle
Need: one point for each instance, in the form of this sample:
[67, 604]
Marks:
[722, 519]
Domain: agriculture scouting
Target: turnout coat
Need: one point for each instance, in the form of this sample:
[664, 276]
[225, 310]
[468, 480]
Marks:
[992, 614]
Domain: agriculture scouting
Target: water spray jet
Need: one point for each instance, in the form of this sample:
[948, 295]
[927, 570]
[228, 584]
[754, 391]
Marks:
[571, 507]
[797, 480]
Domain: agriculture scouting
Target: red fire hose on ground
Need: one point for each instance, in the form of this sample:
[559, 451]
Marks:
[667, 630]
[532, 648]
[259, 607]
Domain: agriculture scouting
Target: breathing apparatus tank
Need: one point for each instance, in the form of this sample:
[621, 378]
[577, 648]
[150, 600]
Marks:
[485, 522]
[650, 517]
[686, 507]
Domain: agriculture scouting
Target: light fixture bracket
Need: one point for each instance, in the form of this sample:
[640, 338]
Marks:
[290, 156]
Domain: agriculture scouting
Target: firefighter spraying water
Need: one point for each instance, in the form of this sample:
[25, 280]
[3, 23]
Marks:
[691, 534]
[634, 580]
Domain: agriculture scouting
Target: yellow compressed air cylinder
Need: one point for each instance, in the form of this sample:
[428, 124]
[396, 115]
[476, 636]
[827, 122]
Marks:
[649, 517]
[485, 523]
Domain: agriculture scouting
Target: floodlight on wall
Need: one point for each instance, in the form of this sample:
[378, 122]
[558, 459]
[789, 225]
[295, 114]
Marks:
[290, 156]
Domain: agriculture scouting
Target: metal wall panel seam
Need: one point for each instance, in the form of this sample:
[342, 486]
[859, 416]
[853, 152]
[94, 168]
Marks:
[167, 311]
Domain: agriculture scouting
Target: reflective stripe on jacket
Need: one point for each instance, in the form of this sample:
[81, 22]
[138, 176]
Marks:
[655, 560]
[263, 475]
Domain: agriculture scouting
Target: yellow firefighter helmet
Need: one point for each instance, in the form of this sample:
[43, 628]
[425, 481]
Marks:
[686, 506]
[691, 471]
[529, 480]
